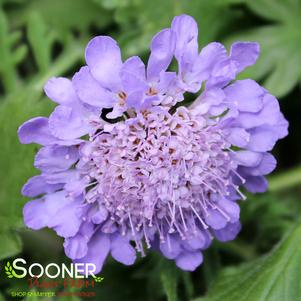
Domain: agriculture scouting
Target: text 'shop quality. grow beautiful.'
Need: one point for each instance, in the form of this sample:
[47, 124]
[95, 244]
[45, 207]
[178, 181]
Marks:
[152, 173]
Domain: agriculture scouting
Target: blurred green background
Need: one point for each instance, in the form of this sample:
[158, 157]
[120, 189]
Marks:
[44, 38]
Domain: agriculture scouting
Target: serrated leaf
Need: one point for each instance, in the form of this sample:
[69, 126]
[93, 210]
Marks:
[280, 43]
[274, 277]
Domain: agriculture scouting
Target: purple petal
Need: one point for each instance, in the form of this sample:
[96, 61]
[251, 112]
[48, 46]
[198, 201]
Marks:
[210, 56]
[77, 246]
[38, 213]
[36, 130]
[37, 185]
[186, 30]
[189, 261]
[135, 66]
[35, 215]
[104, 60]
[135, 99]
[262, 138]
[248, 158]
[199, 239]
[270, 114]
[133, 75]
[171, 247]
[230, 208]
[247, 94]
[215, 219]
[266, 166]
[67, 123]
[90, 91]
[122, 250]
[100, 216]
[256, 184]
[238, 137]
[245, 54]
[229, 232]
[162, 50]
[55, 158]
[98, 250]
[67, 221]
[67, 176]
[60, 90]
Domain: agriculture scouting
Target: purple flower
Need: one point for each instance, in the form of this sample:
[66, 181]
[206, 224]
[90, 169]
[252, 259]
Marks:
[164, 177]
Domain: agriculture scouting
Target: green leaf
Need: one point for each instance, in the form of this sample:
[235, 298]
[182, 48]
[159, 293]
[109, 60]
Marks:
[275, 10]
[274, 277]
[64, 15]
[40, 41]
[280, 43]
[9, 58]
[169, 278]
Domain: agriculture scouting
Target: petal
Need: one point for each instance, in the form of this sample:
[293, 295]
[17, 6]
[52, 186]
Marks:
[56, 158]
[171, 247]
[245, 54]
[248, 158]
[229, 232]
[90, 91]
[262, 138]
[189, 261]
[256, 184]
[186, 30]
[209, 56]
[39, 212]
[222, 73]
[67, 123]
[60, 90]
[270, 114]
[230, 208]
[35, 215]
[266, 166]
[67, 176]
[98, 250]
[37, 185]
[215, 219]
[67, 221]
[162, 51]
[36, 130]
[77, 246]
[133, 75]
[104, 60]
[238, 137]
[135, 66]
[100, 216]
[135, 100]
[246, 94]
[199, 239]
[122, 250]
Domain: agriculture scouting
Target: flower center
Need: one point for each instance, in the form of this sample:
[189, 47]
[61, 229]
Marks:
[156, 171]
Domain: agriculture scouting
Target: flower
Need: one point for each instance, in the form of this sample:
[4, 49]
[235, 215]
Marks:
[162, 175]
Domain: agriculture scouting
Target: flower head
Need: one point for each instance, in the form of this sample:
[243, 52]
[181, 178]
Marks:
[163, 176]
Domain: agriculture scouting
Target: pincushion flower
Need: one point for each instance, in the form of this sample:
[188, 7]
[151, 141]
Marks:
[161, 176]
